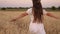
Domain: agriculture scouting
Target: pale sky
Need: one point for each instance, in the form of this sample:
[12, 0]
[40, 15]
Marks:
[28, 3]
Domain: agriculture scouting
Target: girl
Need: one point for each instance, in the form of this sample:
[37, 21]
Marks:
[37, 15]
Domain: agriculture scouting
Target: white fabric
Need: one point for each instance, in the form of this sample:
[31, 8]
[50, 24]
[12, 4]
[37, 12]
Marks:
[29, 11]
[35, 28]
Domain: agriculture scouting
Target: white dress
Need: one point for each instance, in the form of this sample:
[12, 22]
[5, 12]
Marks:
[36, 28]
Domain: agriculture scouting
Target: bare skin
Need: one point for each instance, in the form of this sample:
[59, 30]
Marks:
[20, 16]
[25, 14]
[51, 15]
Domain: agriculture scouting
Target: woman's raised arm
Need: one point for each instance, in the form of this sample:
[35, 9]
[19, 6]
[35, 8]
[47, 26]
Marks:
[20, 16]
[51, 15]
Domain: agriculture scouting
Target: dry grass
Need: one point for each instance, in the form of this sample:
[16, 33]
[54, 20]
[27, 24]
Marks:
[52, 26]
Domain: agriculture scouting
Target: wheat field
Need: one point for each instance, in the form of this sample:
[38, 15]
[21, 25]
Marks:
[52, 25]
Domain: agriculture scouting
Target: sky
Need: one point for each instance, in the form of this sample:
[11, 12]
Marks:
[28, 3]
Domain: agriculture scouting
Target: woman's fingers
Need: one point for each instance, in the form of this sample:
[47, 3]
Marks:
[13, 20]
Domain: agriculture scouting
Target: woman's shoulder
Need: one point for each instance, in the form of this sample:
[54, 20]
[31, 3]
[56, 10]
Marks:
[29, 11]
[44, 11]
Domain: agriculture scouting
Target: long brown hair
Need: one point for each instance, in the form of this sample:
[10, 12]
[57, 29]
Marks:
[37, 11]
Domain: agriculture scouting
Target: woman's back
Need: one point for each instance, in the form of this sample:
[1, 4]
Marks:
[35, 28]
[29, 11]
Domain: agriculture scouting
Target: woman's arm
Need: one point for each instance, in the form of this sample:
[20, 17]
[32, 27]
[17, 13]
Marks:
[51, 15]
[20, 16]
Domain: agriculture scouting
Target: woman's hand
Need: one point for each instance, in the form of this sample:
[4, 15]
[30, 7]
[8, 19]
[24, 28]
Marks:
[13, 20]
[57, 18]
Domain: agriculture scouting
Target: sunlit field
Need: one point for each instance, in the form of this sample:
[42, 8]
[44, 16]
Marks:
[52, 25]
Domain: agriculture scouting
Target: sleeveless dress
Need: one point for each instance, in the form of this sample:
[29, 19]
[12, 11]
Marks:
[36, 28]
